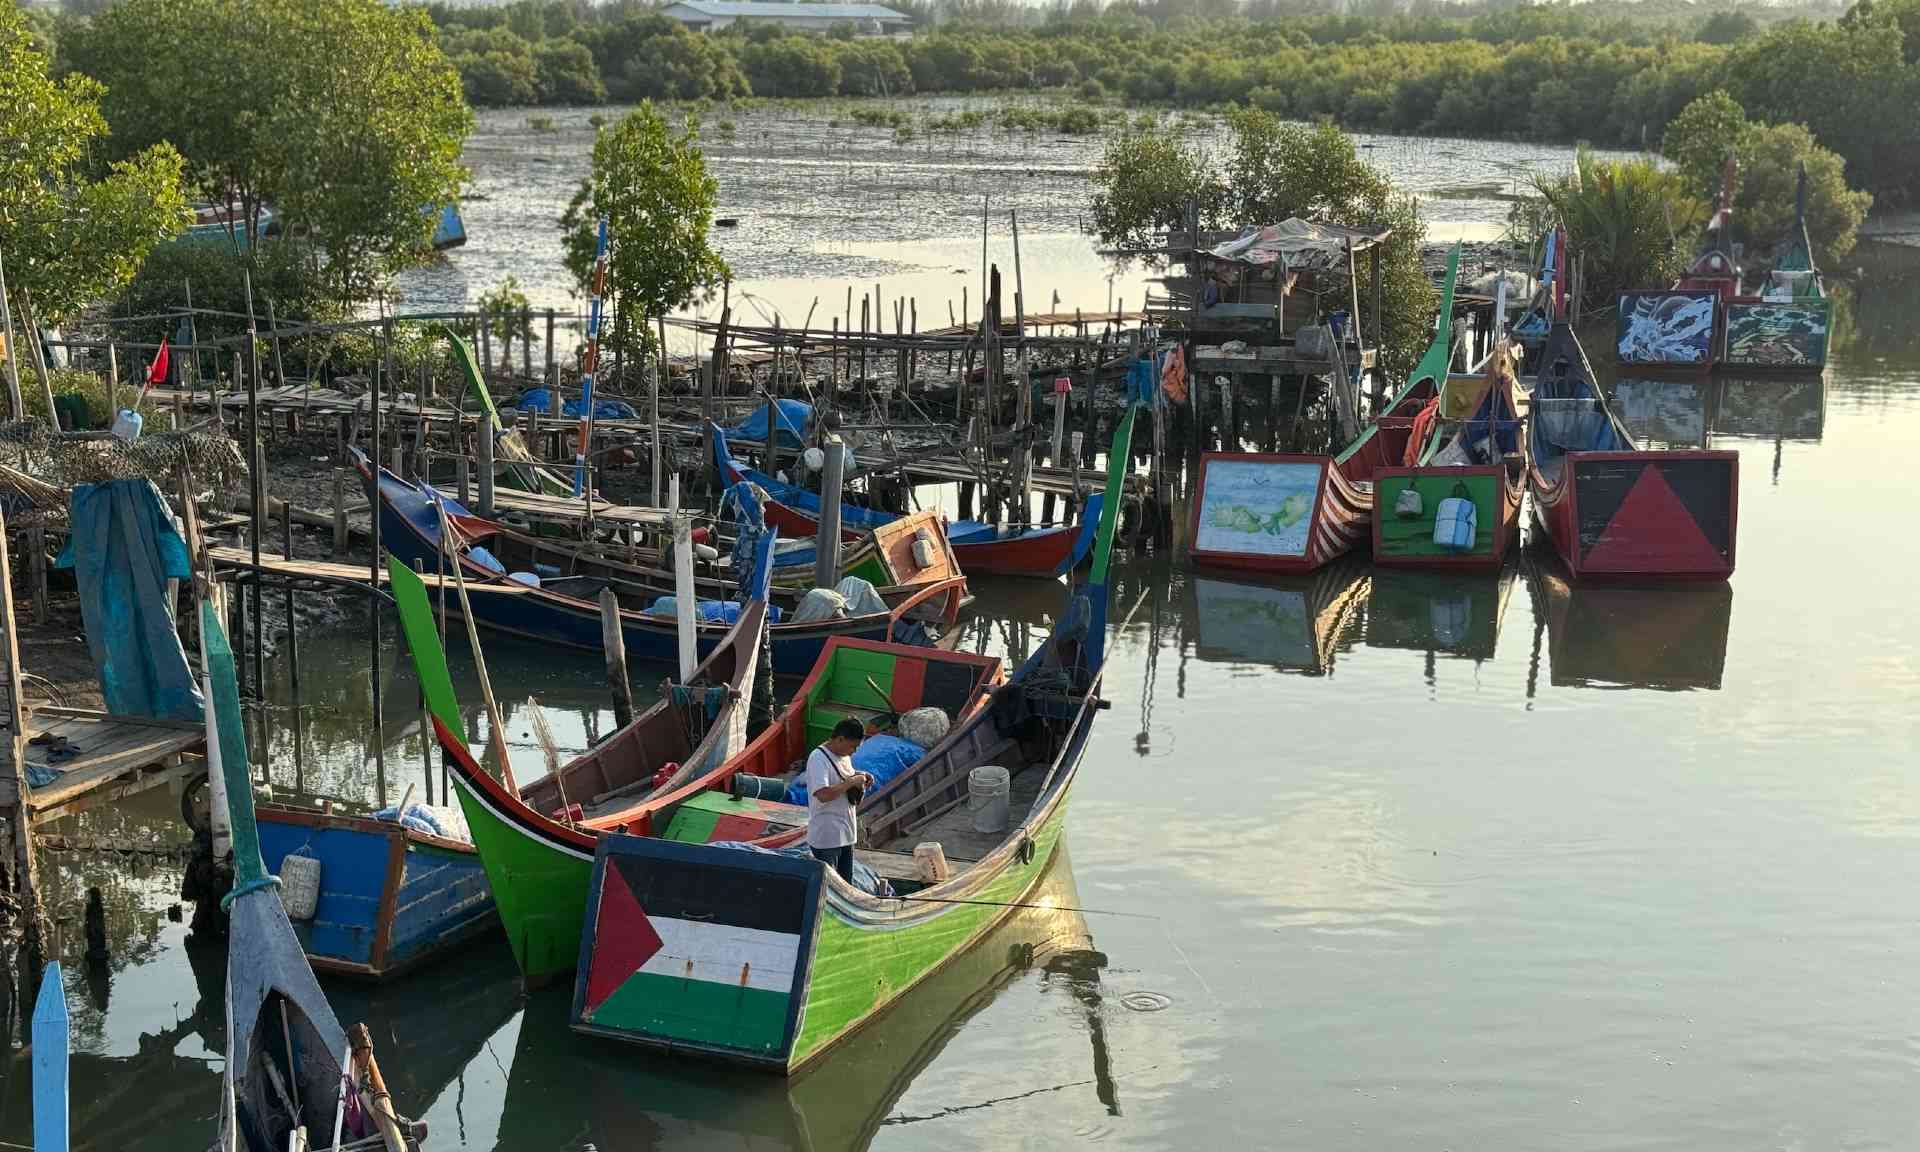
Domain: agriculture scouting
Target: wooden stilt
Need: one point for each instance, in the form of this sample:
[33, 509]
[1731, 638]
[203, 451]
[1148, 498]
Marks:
[15, 789]
[614, 641]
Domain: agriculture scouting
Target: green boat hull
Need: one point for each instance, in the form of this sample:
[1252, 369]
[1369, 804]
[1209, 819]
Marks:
[859, 971]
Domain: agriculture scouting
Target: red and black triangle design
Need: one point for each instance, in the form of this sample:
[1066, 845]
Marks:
[1633, 520]
[624, 939]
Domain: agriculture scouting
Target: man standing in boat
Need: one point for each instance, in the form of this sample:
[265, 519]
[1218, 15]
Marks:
[833, 789]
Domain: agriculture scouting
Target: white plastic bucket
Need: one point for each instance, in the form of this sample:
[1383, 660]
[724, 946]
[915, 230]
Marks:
[300, 886]
[987, 797]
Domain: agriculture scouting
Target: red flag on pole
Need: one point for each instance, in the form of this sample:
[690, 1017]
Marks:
[158, 371]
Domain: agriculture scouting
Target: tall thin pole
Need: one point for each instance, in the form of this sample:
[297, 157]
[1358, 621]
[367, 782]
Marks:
[13, 349]
[257, 488]
[373, 593]
[24, 872]
[653, 415]
[587, 368]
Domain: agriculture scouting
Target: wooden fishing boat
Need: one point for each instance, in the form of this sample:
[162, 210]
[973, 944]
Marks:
[1786, 322]
[611, 1099]
[289, 1064]
[538, 846]
[1612, 510]
[1465, 446]
[565, 609]
[772, 961]
[689, 732]
[1293, 512]
[979, 547]
[391, 895]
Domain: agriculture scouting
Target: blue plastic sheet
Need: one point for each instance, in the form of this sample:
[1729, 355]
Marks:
[710, 611]
[540, 400]
[882, 757]
[793, 419]
[123, 548]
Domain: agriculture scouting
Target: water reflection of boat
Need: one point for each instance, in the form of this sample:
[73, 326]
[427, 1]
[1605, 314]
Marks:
[612, 1096]
[1292, 624]
[1453, 612]
[426, 1035]
[1673, 637]
[1671, 412]
[1776, 407]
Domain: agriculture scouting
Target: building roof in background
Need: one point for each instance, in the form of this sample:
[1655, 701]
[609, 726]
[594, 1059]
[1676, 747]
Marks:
[737, 9]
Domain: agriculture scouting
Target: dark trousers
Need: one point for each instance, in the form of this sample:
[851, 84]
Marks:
[839, 859]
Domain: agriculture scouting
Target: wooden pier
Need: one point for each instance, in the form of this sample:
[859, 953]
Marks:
[108, 757]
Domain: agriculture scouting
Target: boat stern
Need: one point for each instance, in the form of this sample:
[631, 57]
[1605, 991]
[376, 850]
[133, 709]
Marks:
[694, 948]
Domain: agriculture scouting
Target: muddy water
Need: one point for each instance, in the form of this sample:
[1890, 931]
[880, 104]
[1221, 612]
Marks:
[1372, 860]
[823, 205]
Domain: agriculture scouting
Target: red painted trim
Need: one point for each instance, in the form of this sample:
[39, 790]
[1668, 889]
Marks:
[909, 683]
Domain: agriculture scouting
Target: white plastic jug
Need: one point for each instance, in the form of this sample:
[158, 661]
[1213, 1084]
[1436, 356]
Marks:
[127, 424]
[1456, 521]
[1407, 504]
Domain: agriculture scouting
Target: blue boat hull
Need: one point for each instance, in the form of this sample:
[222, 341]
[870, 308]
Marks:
[388, 899]
[552, 618]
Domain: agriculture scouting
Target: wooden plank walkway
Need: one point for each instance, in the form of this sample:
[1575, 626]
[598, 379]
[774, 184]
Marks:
[331, 572]
[114, 756]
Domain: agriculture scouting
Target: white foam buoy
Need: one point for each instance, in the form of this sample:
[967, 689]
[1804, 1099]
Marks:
[931, 859]
[300, 885]
[988, 788]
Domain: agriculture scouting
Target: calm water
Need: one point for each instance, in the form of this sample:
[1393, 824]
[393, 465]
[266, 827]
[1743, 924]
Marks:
[1405, 861]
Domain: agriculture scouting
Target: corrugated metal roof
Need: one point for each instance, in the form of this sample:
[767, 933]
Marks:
[735, 9]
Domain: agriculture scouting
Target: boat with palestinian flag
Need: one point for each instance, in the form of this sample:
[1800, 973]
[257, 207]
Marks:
[772, 961]
[537, 842]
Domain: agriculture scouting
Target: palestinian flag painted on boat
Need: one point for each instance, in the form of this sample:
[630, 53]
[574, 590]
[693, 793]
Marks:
[691, 951]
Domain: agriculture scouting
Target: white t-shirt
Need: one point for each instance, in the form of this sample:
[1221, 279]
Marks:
[830, 823]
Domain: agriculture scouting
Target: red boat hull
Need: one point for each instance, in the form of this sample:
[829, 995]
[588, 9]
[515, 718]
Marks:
[1642, 515]
[1037, 553]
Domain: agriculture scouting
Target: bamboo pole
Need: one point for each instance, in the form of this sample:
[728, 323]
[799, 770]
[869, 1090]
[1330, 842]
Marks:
[25, 871]
[684, 592]
[497, 743]
[13, 350]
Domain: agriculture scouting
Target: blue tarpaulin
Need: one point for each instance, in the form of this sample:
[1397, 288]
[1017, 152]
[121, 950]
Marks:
[880, 756]
[540, 400]
[124, 547]
[793, 420]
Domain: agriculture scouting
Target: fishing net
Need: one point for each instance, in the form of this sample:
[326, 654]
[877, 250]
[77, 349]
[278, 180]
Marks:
[37, 468]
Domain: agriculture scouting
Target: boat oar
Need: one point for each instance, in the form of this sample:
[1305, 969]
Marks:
[884, 698]
[497, 744]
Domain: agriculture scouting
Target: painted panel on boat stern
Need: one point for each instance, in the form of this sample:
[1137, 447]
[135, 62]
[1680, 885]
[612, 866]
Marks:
[701, 947]
[1649, 513]
[1411, 536]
